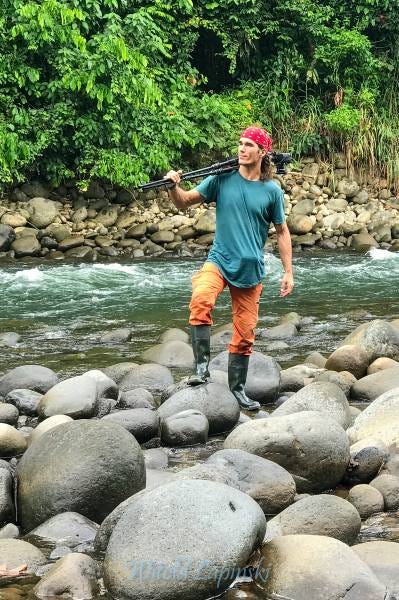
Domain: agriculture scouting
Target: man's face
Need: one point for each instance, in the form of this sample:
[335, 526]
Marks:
[249, 152]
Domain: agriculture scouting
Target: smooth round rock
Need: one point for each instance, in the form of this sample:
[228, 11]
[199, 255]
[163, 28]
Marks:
[369, 388]
[31, 377]
[378, 338]
[187, 428]
[74, 575]
[138, 398]
[106, 387]
[119, 370]
[268, 483]
[9, 532]
[15, 553]
[367, 457]
[322, 514]
[263, 380]
[26, 401]
[143, 423]
[366, 499]
[388, 485]
[312, 567]
[174, 334]
[350, 358]
[213, 400]
[12, 442]
[152, 377]
[173, 353]
[379, 364]
[311, 446]
[87, 467]
[76, 397]
[66, 529]
[157, 532]
[8, 414]
[321, 396]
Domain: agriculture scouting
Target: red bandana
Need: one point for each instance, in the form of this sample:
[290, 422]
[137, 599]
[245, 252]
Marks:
[259, 136]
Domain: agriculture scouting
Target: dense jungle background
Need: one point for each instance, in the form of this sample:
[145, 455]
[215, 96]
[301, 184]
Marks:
[121, 89]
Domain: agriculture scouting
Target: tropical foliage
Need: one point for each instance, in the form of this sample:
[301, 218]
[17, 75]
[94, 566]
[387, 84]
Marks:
[123, 89]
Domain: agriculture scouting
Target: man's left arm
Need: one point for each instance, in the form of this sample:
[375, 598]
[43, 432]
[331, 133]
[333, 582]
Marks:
[285, 250]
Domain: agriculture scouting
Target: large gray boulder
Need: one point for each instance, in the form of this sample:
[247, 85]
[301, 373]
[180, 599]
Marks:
[14, 553]
[379, 420]
[313, 567]
[263, 380]
[84, 466]
[370, 387]
[172, 353]
[26, 401]
[65, 529]
[154, 539]
[186, 428]
[31, 377]
[42, 212]
[311, 446]
[322, 514]
[383, 559]
[152, 377]
[322, 396]
[73, 575]
[366, 499]
[350, 358]
[367, 457]
[268, 483]
[378, 339]
[76, 397]
[215, 401]
[143, 423]
[27, 245]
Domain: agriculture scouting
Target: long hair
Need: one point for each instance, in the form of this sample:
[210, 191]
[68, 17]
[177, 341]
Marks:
[265, 167]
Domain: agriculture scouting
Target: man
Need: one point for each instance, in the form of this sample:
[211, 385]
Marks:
[247, 201]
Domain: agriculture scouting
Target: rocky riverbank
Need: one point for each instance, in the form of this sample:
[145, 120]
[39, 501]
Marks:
[93, 497]
[323, 207]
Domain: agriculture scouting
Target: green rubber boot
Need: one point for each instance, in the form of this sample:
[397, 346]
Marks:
[238, 369]
[201, 343]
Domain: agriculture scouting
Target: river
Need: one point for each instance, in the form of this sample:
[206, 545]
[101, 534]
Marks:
[62, 310]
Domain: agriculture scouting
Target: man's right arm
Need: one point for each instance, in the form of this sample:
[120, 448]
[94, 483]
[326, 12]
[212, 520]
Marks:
[182, 198]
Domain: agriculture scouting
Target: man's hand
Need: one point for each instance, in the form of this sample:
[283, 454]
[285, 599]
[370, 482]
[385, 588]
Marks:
[287, 285]
[173, 176]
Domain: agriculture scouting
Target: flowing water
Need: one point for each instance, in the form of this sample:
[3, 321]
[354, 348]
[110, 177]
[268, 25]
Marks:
[62, 310]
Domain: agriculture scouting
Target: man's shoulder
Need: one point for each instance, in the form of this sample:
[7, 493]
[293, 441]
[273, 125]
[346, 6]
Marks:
[272, 186]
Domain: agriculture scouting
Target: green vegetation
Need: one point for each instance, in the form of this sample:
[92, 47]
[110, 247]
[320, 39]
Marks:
[122, 89]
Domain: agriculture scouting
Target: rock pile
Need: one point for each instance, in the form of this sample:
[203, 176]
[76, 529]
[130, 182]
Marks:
[323, 208]
[89, 463]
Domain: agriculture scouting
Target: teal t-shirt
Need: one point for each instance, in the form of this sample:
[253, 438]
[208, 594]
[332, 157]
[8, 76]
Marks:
[244, 211]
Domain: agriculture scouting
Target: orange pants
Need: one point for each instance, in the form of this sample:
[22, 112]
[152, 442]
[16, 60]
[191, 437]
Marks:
[207, 284]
